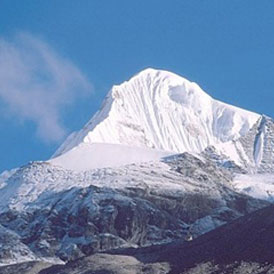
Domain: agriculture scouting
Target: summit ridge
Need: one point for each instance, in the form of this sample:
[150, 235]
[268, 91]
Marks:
[160, 110]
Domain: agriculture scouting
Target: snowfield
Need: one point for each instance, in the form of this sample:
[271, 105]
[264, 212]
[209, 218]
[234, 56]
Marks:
[88, 156]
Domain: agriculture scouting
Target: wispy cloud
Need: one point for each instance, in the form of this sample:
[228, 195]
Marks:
[36, 83]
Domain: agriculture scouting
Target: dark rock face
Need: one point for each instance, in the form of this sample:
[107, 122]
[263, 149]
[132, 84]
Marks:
[117, 221]
[243, 246]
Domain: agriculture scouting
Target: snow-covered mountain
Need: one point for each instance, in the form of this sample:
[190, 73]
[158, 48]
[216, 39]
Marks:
[159, 160]
[161, 110]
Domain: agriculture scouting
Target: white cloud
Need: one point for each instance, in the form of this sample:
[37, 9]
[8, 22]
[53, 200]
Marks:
[36, 83]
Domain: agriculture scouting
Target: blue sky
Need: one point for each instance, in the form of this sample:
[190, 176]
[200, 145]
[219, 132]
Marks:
[226, 46]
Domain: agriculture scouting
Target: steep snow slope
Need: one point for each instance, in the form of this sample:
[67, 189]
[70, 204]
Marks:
[255, 150]
[161, 110]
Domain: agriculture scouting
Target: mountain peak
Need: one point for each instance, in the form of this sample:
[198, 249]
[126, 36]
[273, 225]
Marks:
[161, 110]
[163, 79]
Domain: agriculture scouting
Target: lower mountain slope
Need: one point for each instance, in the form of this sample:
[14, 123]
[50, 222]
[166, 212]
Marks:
[243, 246]
[62, 215]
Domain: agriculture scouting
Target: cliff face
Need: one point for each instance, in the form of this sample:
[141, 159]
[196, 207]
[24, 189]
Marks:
[244, 245]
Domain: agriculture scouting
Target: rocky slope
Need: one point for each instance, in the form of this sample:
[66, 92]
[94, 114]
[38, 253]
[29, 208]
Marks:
[246, 243]
[242, 246]
[102, 209]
